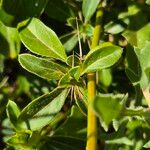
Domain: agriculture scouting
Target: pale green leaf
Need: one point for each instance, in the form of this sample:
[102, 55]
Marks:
[147, 145]
[108, 107]
[41, 40]
[148, 2]
[89, 8]
[10, 42]
[122, 140]
[138, 38]
[42, 67]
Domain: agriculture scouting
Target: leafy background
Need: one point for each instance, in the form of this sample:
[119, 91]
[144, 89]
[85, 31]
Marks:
[123, 114]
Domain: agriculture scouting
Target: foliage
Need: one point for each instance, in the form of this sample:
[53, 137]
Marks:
[45, 56]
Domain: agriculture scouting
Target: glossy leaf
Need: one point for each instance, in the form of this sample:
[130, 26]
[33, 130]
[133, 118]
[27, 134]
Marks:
[101, 58]
[22, 9]
[42, 67]
[89, 8]
[41, 40]
[44, 101]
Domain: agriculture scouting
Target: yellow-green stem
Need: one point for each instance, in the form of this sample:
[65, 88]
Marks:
[92, 121]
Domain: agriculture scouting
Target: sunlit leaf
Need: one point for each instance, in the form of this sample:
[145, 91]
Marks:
[41, 40]
[42, 67]
[101, 58]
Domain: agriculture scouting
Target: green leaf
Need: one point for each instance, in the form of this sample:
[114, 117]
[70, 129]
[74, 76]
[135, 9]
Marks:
[58, 9]
[69, 41]
[1, 63]
[101, 58]
[63, 142]
[75, 72]
[50, 101]
[76, 121]
[6, 18]
[13, 112]
[108, 107]
[147, 145]
[148, 2]
[138, 38]
[120, 141]
[22, 9]
[73, 60]
[114, 27]
[41, 40]
[10, 42]
[105, 77]
[19, 138]
[42, 67]
[89, 8]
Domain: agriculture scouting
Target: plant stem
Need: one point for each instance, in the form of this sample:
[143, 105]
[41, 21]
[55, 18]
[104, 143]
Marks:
[92, 121]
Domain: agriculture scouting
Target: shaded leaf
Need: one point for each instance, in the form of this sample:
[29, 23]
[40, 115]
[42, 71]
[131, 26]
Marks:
[13, 112]
[41, 40]
[69, 41]
[22, 9]
[76, 121]
[65, 142]
[58, 9]
[89, 8]
[42, 67]
[10, 42]
[44, 101]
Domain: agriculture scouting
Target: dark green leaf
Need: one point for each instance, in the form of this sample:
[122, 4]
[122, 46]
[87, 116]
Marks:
[42, 67]
[101, 58]
[50, 100]
[58, 9]
[63, 142]
[41, 40]
[22, 9]
[76, 121]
